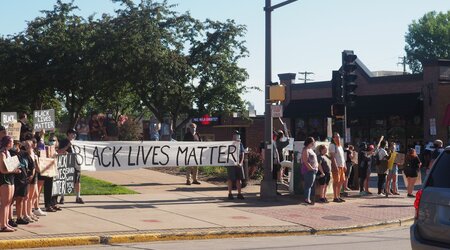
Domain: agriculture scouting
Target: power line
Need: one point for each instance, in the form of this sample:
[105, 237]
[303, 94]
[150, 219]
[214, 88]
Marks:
[403, 62]
[305, 78]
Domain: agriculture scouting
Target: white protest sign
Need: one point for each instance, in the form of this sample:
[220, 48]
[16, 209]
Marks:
[13, 130]
[11, 163]
[44, 119]
[122, 155]
[8, 117]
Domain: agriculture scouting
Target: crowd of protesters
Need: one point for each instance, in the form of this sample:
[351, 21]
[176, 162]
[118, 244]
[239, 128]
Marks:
[21, 188]
[341, 164]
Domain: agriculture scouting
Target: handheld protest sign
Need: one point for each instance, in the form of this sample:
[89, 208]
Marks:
[44, 120]
[7, 118]
[11, 163]
[13, 130]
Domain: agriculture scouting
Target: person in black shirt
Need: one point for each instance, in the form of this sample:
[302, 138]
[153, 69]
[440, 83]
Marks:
[25, 130]
[65, 146]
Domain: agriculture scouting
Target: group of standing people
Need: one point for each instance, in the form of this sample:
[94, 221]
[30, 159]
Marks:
[321, 163]
[23, 185]
[98, 128]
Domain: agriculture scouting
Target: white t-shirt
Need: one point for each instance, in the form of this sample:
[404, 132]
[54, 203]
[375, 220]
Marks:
[382, 153]
[338, 152]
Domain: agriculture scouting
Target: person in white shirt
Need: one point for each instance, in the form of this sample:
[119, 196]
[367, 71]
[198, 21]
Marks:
[338, 167]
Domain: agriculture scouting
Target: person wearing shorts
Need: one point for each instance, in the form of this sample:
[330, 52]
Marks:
[236, 173]
[323, 175]
[338, 167]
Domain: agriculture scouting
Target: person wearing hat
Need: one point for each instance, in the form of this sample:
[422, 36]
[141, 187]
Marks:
[438, 149]
[65, 146]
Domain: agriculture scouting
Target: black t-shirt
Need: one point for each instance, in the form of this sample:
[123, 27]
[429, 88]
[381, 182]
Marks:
[63, 143]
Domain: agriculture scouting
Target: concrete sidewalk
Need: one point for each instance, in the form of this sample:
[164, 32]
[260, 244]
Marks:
[167, 209]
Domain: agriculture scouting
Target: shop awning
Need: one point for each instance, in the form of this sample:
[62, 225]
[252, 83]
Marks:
[395, 104]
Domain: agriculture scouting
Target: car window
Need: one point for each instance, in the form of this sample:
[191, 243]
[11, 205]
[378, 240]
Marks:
[440, 175]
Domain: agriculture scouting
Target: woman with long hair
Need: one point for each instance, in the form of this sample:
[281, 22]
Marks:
[412, 168]
[309, 162]
[6, 184]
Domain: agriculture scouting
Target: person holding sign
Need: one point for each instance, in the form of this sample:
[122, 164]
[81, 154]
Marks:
[236, 173]
[7, 173]
[25, 130]
[65, 146]
[192, 135]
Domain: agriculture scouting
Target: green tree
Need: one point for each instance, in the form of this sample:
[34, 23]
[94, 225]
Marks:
[427, 39]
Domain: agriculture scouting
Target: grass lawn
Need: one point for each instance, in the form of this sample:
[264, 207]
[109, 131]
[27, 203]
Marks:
[92, 186]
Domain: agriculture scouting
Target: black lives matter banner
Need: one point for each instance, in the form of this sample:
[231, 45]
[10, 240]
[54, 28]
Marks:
[64, 182]
[122, 155]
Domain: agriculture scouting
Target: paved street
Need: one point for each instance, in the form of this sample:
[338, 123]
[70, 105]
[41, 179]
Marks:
[391, 238]
[168, 209]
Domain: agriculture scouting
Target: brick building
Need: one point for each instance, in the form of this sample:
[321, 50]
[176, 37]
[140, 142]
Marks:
[407, 108]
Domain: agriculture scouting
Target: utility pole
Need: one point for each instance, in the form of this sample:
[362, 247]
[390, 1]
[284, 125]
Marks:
[268, 185]
[403, 62]
[306, 73]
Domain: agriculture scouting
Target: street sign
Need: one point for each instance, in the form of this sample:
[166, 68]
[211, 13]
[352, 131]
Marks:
[277, 111]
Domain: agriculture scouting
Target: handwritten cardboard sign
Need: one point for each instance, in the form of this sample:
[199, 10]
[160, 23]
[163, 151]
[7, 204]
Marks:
[44, 119]
[8, 117]
[47, 166]
[13, 130]
[11, 163]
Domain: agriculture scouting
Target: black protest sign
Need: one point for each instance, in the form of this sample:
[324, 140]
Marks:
[64, 182]
[44, 119]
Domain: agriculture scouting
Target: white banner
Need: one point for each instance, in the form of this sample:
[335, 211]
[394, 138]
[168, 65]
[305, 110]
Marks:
[122, 155]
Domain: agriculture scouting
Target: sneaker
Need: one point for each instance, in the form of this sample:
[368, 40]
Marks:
[230, 197]
[410, 196]
[34, 217]
[12, 223]
[337, 200]
[50, 209]
[21, 221]
[342, 200]
[39, 212]
[61, 201]
[188, 182]
[196, 182]
[79, 200]
[240, 196]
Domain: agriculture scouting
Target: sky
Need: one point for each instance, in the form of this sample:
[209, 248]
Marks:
[307, 35]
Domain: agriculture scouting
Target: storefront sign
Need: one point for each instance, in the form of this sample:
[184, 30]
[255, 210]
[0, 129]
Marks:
[206, 120]
[432, 126]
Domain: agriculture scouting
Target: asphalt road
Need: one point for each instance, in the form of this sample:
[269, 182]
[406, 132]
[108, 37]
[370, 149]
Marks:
[388, 238]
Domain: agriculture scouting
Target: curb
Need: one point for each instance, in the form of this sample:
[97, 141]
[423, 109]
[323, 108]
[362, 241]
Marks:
[174, 236]
[50, 242]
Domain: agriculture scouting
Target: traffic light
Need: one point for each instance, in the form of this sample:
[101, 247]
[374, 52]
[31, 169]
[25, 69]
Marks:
[349, 76]
[337, 88]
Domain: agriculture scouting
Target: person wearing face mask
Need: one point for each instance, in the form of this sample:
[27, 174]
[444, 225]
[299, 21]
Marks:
[192, 135]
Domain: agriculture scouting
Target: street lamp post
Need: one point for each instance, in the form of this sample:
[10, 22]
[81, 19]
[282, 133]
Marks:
[268, 184]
